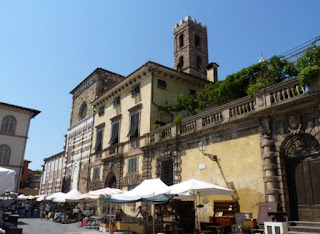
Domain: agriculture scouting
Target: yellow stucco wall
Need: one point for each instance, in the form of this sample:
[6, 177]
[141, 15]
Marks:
[161, 96]
[126, 102]
[241, 163]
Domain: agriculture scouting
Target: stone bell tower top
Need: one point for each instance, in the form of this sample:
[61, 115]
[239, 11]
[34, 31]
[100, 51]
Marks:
[191, 47]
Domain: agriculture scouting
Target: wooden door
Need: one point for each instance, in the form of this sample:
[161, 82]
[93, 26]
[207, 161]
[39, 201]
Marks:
[303, 177]
[304, 188]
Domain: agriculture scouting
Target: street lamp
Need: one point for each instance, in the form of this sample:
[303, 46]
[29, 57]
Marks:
[202, 147]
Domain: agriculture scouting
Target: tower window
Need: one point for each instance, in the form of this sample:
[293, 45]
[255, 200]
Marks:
[162, 84]
[181, 62]
[197, 41]
[199, 62]
[83, 111]
[181, 40]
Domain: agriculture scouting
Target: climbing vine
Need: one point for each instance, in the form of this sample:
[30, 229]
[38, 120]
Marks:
[247, 81]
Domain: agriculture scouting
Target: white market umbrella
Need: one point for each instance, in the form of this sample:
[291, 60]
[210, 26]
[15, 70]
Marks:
[22, 197]
[53, 196]
[73, 194]
[96, 194]
[148, 188]
[192, 188]
[7, 180]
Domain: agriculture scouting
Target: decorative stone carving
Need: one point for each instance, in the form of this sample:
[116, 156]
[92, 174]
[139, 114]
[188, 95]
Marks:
[294, 123]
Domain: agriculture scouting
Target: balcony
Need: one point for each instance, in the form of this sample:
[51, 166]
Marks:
[278, 94]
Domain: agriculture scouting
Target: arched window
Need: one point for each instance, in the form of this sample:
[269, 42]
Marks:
[83, 111]
[181, 61]
[197, 41]
[4, 154]
[9, 125]
[181, 40]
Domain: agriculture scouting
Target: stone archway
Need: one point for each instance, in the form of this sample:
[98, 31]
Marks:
[111, 180]
[300, 153]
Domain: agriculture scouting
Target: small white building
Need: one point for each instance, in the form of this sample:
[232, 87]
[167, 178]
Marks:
[53, 174]
[15, 122]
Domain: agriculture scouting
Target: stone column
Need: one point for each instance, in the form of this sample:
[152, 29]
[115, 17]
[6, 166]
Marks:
[269, 163]
[146, 165]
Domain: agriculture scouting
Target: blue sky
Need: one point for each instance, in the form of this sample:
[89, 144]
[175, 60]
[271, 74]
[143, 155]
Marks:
[48, 47]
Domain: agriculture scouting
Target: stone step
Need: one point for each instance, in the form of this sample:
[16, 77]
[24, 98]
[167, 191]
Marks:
[304, 223]
[306, 229]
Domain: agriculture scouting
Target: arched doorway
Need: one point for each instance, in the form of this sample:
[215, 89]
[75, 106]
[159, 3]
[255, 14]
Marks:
[303, 173]
[111, 180]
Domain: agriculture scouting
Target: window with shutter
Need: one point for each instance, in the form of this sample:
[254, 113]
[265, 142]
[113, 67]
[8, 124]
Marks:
[135, 89]
[116, 101]
[114, 133]
[9, 125]
[96, 173]
[132, 165]
[99, 140]
[4, 154]
[101, 111]
[134, 126]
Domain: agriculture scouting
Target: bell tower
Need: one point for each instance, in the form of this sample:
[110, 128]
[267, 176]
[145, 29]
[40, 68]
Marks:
[191, 47]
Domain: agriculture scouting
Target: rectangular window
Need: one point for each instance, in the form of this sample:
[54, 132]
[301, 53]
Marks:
[132, 165]
[162, 84]
[135, 89]
[99, 140]
[116, 101]
[101, 110]
[96, 173]
[166, 172]
[134, 126]
[114, 139]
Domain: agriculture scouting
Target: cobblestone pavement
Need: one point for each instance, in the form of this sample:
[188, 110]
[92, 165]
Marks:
[44, 226]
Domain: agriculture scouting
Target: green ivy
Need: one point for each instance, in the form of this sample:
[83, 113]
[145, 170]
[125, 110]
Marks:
[248, 81]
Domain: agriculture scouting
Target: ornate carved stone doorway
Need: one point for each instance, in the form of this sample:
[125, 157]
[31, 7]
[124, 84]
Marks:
[302, 161]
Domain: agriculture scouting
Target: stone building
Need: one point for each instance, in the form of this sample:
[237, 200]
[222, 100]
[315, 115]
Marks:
[15, 122]
[126, 113]
[264, 147]
[78, 141]
[53, 174]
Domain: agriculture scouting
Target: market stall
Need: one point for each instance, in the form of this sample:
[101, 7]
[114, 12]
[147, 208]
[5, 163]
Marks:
[153, 191]
[193, 189]
[7, 180]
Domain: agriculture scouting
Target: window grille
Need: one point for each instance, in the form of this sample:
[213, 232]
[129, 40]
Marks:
[166, 172]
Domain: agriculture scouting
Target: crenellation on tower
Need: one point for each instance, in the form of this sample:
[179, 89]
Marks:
[191, 47]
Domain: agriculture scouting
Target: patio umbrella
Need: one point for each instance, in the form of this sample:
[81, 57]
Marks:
[53, 196]
[193, 188]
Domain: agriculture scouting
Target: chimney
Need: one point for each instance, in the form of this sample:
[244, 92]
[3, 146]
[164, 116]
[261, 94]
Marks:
[212, 72]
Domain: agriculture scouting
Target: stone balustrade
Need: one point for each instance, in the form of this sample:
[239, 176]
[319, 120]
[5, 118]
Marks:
[265, 98]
